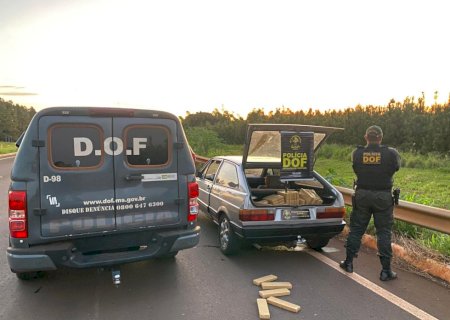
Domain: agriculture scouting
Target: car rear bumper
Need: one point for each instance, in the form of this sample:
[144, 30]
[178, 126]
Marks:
[287, 233]
[101, 251]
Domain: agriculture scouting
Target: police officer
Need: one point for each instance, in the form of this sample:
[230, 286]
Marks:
[374, 166]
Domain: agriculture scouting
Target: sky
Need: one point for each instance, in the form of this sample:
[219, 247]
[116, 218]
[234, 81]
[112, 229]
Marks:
[231, 55]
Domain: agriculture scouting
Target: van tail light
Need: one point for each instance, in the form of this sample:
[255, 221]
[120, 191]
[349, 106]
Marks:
[333, 212]
[256, 215]
[193, 203]
[18, 214]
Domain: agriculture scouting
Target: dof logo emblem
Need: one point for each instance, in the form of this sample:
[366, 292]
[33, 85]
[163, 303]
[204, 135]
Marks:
[371, 158]
[295, 142]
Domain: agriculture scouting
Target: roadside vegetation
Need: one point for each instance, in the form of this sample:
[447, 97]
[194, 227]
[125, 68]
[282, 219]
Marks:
[14, 120]
[409, 125]
[7, 147]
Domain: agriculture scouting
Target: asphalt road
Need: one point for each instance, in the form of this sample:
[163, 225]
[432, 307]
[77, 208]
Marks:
[203, 284]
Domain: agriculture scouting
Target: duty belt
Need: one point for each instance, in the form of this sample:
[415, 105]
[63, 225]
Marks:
[374, 189]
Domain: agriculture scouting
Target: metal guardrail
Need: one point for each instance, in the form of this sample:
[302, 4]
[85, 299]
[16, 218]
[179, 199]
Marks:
[418, 214]
[201, 159]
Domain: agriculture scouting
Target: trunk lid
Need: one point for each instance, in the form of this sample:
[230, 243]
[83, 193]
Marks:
[263, 143]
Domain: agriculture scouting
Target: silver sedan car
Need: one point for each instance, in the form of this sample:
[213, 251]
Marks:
[271, 194]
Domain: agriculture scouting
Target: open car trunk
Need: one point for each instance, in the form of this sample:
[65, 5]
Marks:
[268, 190]
[278, 161]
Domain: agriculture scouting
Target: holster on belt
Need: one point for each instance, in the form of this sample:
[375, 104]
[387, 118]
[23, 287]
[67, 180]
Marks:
[353, 201]
[395, 196]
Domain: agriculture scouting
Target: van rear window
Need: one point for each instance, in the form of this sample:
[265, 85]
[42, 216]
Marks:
[147, 145]
[70, 151]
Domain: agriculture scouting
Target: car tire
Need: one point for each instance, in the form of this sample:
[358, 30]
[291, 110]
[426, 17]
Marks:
[228, 241]
[317, 243]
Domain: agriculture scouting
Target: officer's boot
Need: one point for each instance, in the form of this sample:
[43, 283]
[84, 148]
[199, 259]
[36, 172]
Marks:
[386, 273]
[347, 264]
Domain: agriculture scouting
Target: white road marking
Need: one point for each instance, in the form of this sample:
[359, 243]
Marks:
[419, 313]
[330, 249]
[5, 158]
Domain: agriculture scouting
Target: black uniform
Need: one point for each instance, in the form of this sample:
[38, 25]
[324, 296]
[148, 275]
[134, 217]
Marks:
[374, 166]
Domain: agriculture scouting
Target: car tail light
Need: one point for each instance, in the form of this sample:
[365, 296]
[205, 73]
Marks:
[193, 204]
[18, 214]
[333, 212]
[256, 215]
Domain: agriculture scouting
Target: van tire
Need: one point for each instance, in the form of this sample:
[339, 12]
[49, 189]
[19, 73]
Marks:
[228, 241]
[26, 276]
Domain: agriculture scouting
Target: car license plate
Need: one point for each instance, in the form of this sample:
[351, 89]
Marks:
[300, 214]
[288, 214]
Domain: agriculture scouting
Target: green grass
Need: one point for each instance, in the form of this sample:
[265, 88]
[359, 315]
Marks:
[7, 147]
[225, 150]
[409, 159]
[424, 186]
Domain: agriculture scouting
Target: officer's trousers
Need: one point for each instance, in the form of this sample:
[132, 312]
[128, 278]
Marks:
[367, 203]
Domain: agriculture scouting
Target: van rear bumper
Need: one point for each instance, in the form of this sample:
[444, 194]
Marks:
[30, 262]
[101, 251]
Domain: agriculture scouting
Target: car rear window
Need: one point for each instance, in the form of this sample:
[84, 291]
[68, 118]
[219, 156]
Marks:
[147, 145]
[68, 150]
[265, 146]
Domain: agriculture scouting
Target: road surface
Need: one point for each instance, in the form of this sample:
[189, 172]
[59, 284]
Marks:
[202, 284]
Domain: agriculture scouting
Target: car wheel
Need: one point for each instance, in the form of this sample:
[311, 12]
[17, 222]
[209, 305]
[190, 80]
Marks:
[229, 244]
[317, 243]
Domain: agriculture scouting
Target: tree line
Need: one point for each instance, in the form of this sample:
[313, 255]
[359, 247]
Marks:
[14, 120]
[409, 125]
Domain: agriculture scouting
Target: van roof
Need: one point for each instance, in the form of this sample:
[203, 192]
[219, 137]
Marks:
[106, 112]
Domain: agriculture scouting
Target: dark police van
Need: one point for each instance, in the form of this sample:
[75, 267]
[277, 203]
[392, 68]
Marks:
[98, 187]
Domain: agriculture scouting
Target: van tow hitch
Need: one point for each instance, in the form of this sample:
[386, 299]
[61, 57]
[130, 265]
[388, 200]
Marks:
[115, 272]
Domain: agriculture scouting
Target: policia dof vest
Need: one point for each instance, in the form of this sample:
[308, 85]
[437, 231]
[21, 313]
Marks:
[375, 166]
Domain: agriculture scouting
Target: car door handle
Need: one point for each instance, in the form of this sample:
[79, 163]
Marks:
[134, 177]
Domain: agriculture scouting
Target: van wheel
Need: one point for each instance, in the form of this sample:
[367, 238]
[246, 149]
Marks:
[229, 243]
[27, 275]
[317, 243]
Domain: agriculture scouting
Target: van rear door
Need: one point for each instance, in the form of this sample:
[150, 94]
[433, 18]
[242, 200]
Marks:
[76, 175]
[146, 173]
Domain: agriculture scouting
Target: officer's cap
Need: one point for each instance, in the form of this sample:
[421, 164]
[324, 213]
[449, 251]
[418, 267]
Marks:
[374, 132]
